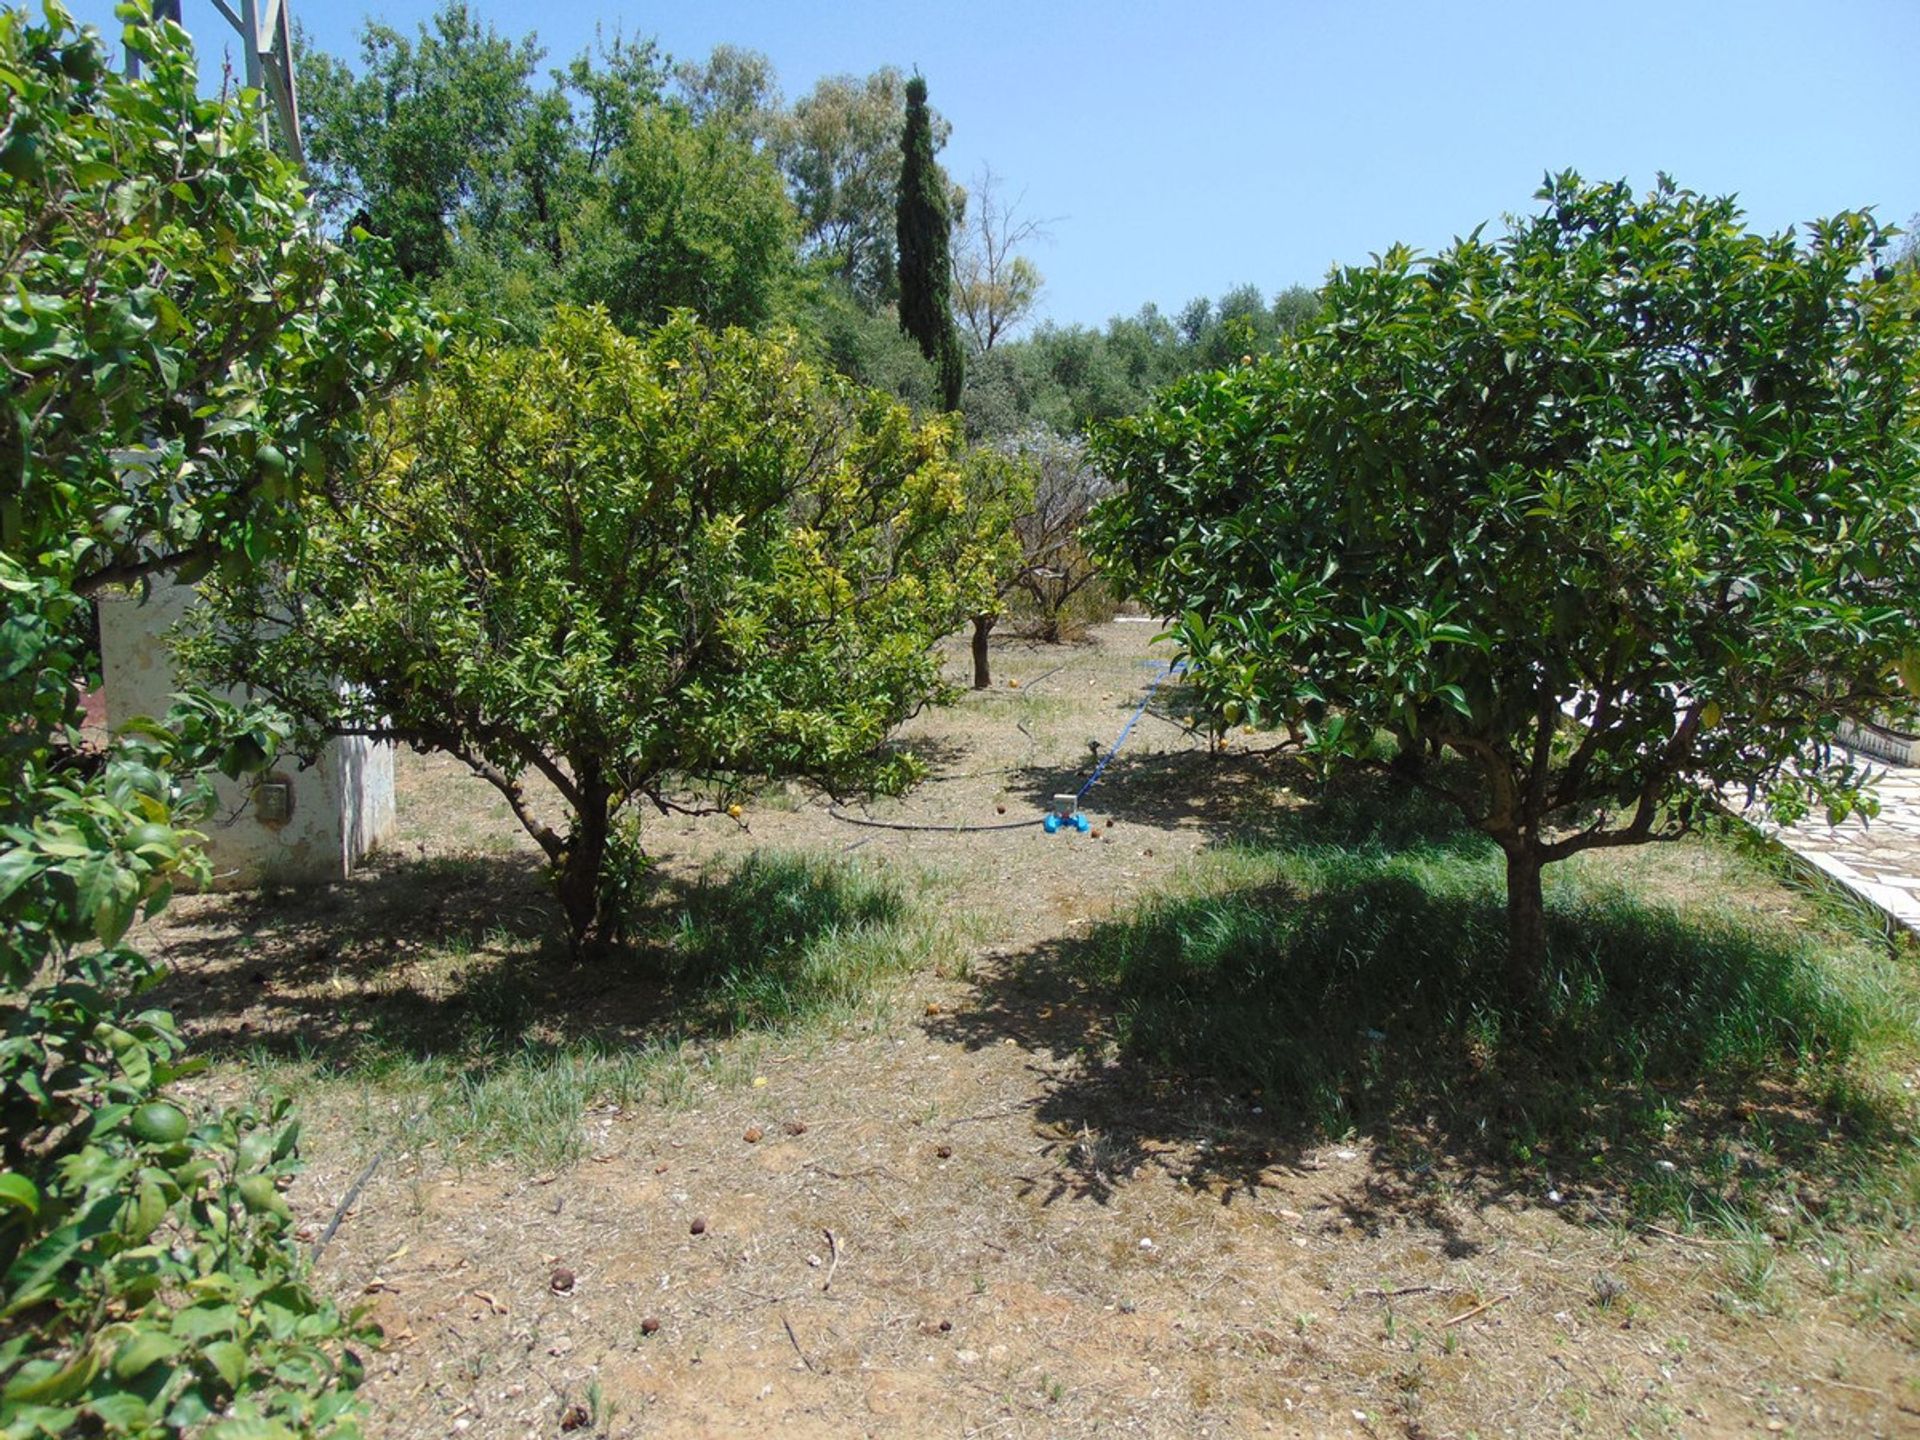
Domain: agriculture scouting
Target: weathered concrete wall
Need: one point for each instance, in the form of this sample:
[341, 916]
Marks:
[342, 803]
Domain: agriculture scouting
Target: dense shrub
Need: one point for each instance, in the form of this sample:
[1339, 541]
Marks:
[181, 351]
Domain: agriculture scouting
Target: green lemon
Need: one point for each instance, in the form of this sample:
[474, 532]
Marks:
[160, 1123]
[21, 158]
[161, 837]
[259, 1194]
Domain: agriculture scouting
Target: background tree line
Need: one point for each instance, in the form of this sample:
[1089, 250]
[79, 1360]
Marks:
[507, 185]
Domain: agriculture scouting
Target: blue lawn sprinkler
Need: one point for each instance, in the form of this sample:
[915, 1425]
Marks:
[1065, 815]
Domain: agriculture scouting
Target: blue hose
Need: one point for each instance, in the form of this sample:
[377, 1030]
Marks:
[1166, 674]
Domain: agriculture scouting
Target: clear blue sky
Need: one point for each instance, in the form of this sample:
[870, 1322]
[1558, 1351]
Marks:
[1189, 147]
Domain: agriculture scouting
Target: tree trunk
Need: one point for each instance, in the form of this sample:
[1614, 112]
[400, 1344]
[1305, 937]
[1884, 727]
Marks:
[1410, 760]
[982, 675]
[578, 881]
[1526, 924]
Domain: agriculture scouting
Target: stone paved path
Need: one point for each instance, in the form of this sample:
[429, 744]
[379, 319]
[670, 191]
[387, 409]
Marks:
[1879, 859]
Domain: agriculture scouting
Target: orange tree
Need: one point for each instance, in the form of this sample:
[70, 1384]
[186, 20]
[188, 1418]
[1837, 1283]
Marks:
[639, 569]
[1619, 506]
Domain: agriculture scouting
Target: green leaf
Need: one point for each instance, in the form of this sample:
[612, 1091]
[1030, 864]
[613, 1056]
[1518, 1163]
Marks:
[208, 1318]
[228, 1360]
[122, 1412]
[250, 1428]
[140, 1350]
[19, 1193]
[48, 1382]
[17, 866]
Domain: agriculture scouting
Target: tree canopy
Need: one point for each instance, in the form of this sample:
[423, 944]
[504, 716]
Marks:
[507, 196]
[995, 288]
[1617, 507]
[625, 180]
[692, 218]
[639, 568]
[840, 148]
[1067, 377]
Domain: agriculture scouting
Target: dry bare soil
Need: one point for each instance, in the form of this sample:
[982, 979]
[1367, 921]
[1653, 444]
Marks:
[960, 1205]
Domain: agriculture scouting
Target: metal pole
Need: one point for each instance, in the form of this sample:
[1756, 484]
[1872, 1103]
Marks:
[250, 42]
[266, 53]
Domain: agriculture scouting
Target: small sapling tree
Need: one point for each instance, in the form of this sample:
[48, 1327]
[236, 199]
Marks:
[1618, 508]
[633, 567]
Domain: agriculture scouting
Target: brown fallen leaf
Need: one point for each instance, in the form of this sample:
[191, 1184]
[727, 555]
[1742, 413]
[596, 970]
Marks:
[752, 1137]
[496, 1306]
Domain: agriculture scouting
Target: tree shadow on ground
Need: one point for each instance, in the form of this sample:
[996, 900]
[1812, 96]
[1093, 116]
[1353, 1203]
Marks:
[1163, 791]
[1349, 981]
[416, 959]
[936, 754]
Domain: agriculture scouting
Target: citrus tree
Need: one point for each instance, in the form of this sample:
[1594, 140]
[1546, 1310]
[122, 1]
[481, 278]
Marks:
[1617, 508]
[180, 352]
[631, 567]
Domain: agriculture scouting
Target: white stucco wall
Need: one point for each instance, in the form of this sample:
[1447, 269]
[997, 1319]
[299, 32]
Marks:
[342, 803]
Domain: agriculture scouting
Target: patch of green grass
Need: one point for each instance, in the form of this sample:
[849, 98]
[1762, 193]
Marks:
[508, 1068]
[785, 940]
[1348, 964]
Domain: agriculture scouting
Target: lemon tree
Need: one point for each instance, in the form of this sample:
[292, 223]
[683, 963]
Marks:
[640, 569]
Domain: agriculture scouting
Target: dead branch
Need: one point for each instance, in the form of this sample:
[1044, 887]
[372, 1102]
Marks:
[1467, 1315]
[788, 1325]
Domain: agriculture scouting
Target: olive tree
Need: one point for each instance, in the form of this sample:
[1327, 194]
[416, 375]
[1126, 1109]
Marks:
[633, 568]
[1618, 508]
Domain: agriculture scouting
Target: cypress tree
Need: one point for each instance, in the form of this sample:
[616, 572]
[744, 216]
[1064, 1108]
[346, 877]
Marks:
[922, 227]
